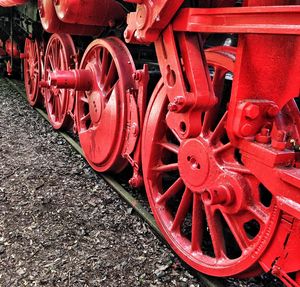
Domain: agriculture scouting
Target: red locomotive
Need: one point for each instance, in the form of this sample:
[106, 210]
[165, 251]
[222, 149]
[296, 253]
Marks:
[199, 97]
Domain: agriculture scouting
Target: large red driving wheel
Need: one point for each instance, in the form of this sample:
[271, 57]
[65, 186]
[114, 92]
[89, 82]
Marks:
[59, 102]
[213, 212]
[101, 113]
[32, 71]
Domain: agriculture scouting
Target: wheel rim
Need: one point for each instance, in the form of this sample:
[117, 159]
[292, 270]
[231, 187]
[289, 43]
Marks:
[102, 111]
[59, 102]
[32, 71]
[213, 212]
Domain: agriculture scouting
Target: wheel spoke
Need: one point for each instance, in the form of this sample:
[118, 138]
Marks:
[50, 97]
[85, 117]
[219, 131]
[183, 209]
[54, 56]
[84, 99]
[166, 167]
[224, 148]
[52, 65]
[260, 214]
[216, 234]
[171, 191]
[58, 110]
[238, 168]
[111, 76]
[170, 147]
[176, 136]
[218, 81]
[197, 223]
[104, 64]
[110, 91]
[237, 230]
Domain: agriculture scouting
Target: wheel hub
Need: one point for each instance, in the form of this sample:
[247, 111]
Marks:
[194, 163]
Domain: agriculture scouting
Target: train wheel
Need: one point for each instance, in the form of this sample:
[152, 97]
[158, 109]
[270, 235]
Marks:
[213, 212]
[32, 71]
[59, 102]
[101, 113]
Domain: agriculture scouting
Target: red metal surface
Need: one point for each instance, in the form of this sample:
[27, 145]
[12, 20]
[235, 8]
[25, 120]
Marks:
[70, 11]
[152, 17]
[52, 24]
[11, 3]
[12, 48]
[266, 20]
[200, 183]
[221, 169]
[60, 55]
[187, 80]
[102, 111]
[32, 71]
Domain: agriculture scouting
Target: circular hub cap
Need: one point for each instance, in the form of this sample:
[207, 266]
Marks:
[212, 210]
[59, 102]
[102, 112]
[193, 163]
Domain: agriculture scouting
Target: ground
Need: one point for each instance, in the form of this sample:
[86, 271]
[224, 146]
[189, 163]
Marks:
[60, 224]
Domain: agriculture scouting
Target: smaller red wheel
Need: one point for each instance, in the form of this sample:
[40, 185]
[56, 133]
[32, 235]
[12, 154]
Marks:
[32, 71]
[59, 102]
[101, 113]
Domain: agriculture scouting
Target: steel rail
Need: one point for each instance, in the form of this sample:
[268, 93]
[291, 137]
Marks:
[125, 195]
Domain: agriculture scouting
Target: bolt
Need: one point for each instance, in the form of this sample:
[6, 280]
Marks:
[279, 140]
[280, 136]
[218, 195]
[136, 181]
[137, 76]
[263, 136]
[265, 132]
[252, 111]
[172, 107]
[273, 111]
[246, 130]
[134, 129]
[179, 100]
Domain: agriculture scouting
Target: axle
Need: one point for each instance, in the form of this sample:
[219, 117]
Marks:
[79, 80]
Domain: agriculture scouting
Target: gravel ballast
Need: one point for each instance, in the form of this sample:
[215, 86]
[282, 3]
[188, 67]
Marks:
[60, 224]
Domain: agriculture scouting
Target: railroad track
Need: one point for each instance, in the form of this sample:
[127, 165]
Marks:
[133, 202]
